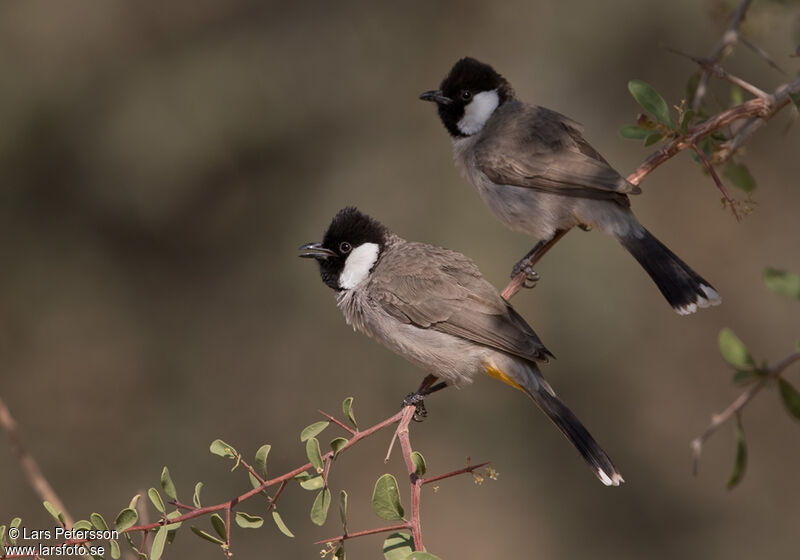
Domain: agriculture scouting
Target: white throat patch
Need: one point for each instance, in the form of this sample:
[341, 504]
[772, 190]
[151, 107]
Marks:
[478, 111]
[358, 264]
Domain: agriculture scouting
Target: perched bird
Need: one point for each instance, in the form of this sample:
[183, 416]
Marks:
[539, 175]
[433, 307]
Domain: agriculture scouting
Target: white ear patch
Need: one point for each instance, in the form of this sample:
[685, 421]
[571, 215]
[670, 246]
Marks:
[478, 111]
[358, 264]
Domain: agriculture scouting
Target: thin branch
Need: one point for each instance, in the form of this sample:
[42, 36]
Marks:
[337, 422]
[725, 44]
[717, 180]
[468, 469]
[738, 405]
[762, 53]
[759, 110]
[29, 466]
[344, 537]
[719, 72]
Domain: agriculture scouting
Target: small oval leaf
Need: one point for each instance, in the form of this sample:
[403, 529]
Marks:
[261, 459]
[155, 498]
[82, 525]
[398, 546]
[319, 510]
[740, 463]
[219, 447]
[790, 397]
[312, 483]
[115, 552]
[157, 549]
[53, 511]
[343, 509]
[247, 521]
[313, 430]
[782, 282]
[219, 526]
[386, 499]
[98, 522]
[314, 454]
[420, 467]
[337, 444]
[651, 101]
[347, 409]
[276, 517]
[196, 496]
[733, 350]
[634, 132]
[126, 518]
[203, 535]
[167, 484]
[739, 176]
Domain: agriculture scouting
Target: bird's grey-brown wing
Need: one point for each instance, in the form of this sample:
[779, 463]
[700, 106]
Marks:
[434, 288]
[534, 147]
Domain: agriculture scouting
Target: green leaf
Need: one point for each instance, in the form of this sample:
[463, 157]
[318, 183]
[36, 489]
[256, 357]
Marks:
[795, 97]
[313, 430]
[737, 95]
[343, 509]
[386, 499]
[652, 138]
[398, 546]
[203, 535]
[98, 522]
[319, 510]
[420, 467]
[254, 481]
[2, 535]
[314, 454]
[155, 497]
[57, 515]
[634, 132]
[196, 496]
[172, 516]
[422, 556]
[276, 517]
[219, 526]
[126, 518]
[739, 176]
[740, 464]
[651, 100]
[261, 459]
[790, 396]
[782, 283]
[337, 444]
[167, 484]
[157, 549]
[115, 552]
[686, 120]
[347, 409]
[312, 483]
[339, 554]
[219, 447]
[82, 525]
[134, 501]
[733, 350]
[247, 521]
[15, 523]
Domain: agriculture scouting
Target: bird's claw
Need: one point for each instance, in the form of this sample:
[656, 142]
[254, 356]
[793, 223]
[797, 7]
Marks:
[531, 276]
[418, 402]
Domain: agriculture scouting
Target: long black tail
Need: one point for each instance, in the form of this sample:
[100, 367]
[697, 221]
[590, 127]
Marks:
[580, 437]
[683, 288]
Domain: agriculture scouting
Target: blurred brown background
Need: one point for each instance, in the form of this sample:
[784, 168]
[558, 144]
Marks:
[161, 162]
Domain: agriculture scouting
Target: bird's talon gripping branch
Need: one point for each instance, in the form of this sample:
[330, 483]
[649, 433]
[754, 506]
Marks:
[417, 400]
[531, 277]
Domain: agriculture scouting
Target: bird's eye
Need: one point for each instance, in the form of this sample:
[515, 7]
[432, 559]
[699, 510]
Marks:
[345, 247]
[466, 95]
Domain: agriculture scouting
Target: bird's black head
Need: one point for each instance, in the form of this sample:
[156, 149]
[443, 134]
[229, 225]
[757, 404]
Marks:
[349, 250]
[468, 96]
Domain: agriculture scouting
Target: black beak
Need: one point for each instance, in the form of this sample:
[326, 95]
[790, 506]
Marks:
[315, 251]
[436, 96]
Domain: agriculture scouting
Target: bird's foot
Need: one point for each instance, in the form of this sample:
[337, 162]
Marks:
[417, 400]
[585, 227]
[531, 276]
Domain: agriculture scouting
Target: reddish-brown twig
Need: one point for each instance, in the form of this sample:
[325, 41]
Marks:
[717, 180]
[738, 404]
[29, 466]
